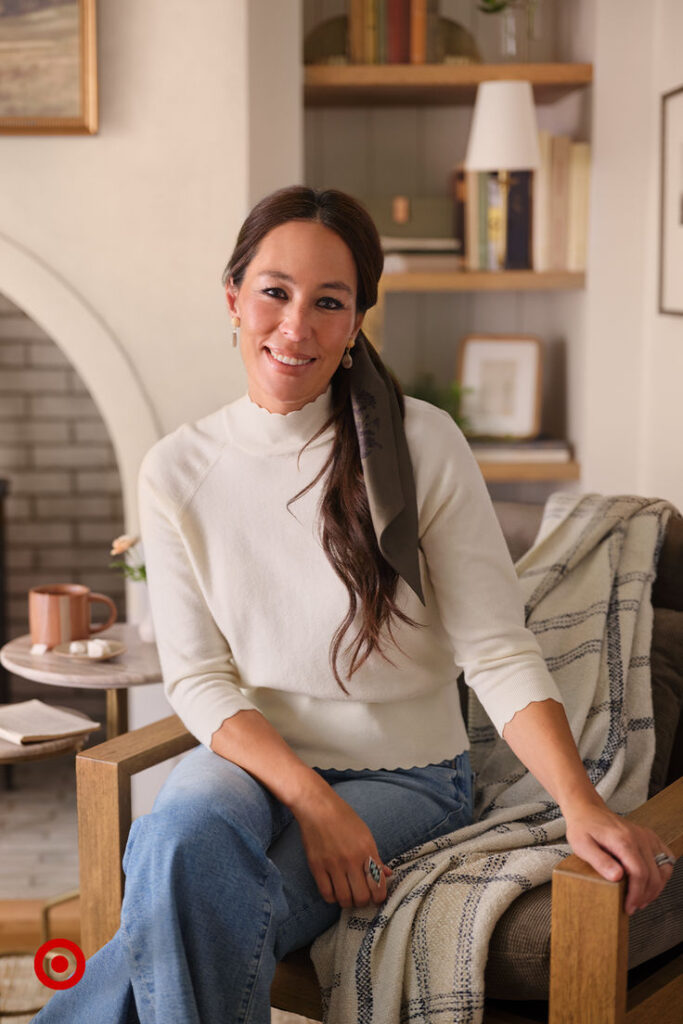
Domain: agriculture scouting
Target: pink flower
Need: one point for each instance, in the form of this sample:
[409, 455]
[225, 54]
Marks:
[121, 544]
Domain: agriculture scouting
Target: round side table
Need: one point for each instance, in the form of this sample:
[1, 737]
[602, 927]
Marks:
[16, 753]
[138, 665]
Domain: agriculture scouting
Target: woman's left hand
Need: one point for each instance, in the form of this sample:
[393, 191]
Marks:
[613, 845]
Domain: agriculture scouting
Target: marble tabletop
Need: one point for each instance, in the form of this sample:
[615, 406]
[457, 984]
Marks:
[138, 664]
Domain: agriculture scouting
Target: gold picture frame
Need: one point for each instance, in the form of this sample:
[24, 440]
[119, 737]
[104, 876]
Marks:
[501, 376]
[671, 203]
[48, 68]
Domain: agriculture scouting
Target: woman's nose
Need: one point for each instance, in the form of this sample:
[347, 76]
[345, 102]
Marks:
[296, 324]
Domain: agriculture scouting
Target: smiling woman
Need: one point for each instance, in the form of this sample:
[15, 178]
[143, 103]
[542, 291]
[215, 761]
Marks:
[305, 784]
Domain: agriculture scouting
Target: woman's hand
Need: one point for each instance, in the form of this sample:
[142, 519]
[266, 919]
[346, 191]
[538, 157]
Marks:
[337, 844]
[613, 845]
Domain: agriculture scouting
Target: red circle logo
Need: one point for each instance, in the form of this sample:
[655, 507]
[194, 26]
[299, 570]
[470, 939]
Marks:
[63, 957]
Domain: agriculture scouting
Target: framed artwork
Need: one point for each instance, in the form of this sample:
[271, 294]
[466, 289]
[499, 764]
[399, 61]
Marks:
[671, 204]
[501, 375]
[48, 67]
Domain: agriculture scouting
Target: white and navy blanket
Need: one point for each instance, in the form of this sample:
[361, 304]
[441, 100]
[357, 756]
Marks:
[420, 957]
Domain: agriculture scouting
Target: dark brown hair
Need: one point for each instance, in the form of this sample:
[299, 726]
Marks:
[347, 535]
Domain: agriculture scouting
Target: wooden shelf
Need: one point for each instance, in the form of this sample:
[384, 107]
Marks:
[529, 472]
[377, 85]
[482, 281]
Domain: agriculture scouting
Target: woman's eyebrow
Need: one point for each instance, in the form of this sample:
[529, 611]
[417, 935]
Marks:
[339, 286]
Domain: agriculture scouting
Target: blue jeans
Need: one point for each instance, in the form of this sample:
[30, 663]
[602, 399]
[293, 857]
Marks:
[218, 889]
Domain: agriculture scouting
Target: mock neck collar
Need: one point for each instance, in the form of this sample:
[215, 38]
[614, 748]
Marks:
[257, 430]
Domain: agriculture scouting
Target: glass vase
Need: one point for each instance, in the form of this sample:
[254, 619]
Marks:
[145, 622]
[519, 28]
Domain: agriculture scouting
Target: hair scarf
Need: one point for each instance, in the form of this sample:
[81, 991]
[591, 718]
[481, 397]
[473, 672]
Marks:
[386, 464]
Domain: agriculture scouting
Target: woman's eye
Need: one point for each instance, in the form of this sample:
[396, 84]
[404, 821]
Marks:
[326, 302]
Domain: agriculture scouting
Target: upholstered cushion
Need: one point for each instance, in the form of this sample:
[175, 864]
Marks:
[667, 591]
[667, 696]
[520, 522]
[518, 966]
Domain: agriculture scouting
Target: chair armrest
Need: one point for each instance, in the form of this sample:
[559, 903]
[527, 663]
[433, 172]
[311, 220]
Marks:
[589, 937]
[103, 775]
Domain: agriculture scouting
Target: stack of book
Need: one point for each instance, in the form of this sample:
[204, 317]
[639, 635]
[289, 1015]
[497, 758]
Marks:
[547, 212]
[393, 31]
[539, 450]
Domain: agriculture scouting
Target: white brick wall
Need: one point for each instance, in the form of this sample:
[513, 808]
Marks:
[64, 504]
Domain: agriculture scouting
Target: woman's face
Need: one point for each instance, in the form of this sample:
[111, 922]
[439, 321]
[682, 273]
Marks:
[297, 300]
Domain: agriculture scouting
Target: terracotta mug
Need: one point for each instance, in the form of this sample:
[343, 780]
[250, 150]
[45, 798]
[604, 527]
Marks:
[60, 612]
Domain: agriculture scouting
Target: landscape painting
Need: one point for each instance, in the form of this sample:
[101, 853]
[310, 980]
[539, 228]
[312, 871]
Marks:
[47, 66]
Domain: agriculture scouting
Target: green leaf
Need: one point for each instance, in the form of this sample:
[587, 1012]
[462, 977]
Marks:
[448, 397]
[492, 6]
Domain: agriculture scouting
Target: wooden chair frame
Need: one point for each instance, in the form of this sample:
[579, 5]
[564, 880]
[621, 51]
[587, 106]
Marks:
[589, 946]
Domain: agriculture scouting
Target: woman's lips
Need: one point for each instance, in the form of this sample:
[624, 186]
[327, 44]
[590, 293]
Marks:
[290, 366]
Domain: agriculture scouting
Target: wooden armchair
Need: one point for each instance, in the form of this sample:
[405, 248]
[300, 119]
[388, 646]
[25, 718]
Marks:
[589, 927]
[593, 941]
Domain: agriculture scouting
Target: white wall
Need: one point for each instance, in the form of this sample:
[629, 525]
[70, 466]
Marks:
[116, 242]
[661, 449]
[633, 362]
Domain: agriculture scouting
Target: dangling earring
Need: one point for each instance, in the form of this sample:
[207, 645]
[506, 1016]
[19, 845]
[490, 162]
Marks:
[235, 331]
[347, 361]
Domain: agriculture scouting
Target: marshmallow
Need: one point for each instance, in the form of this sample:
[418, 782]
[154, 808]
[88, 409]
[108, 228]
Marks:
[78, 647]
[96, 648]
[39, 648]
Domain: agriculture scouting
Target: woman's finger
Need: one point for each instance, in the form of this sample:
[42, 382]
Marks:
[599, 858]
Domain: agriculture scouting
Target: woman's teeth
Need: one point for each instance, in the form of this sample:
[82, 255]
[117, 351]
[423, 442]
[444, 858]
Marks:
[288, 360]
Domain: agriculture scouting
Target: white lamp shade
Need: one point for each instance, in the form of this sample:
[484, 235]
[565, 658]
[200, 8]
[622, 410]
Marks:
[504, 132]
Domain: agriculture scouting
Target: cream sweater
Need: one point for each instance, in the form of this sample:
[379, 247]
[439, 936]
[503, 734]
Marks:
[245, 602]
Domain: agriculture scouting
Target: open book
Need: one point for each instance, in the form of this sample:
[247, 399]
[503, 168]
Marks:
[30, 721]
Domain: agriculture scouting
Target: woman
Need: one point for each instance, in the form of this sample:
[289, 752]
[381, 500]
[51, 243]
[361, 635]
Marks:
[320, 504]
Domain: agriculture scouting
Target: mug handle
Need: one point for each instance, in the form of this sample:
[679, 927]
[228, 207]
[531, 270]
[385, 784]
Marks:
[97, 627]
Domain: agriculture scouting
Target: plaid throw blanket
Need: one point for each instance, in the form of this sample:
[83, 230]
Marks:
[420, 957]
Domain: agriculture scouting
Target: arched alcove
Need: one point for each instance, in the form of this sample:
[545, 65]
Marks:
[98, 356]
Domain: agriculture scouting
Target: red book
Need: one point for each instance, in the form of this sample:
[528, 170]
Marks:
[398, 31]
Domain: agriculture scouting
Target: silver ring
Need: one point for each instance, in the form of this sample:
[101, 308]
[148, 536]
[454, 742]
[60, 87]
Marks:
[373, 870]
[664, 858]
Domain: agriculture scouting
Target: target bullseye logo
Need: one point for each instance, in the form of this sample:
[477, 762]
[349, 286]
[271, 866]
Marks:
[59, 963]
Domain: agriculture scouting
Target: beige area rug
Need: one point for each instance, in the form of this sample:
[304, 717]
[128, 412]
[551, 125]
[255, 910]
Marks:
[21, 990]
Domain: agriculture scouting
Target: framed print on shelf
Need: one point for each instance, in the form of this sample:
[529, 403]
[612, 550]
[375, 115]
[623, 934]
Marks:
[671, 204]
[501, 377]
[48, 67]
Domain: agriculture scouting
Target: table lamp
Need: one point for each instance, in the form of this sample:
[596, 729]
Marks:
[503, 138]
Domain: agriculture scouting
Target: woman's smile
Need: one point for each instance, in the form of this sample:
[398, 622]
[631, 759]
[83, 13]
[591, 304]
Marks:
[290, 361]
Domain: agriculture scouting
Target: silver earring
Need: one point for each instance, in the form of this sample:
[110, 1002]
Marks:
[235, 331]
[347, 361]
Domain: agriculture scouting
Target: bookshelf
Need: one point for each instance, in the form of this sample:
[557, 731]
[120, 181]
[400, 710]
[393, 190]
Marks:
[438, 85]
[482, 281]
[529, 472]
[378, 85]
